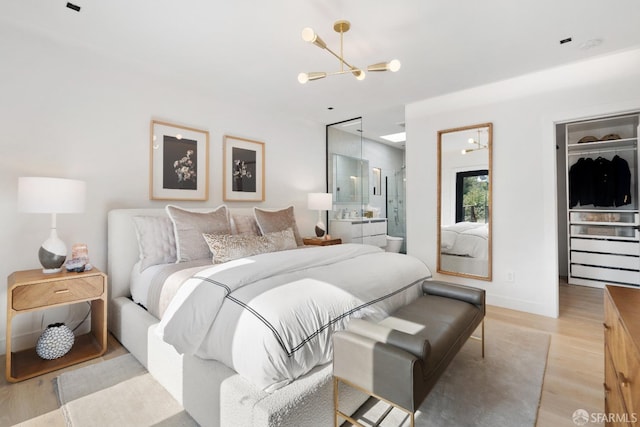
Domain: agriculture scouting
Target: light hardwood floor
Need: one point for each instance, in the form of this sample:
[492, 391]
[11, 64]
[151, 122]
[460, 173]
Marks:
[573, 377]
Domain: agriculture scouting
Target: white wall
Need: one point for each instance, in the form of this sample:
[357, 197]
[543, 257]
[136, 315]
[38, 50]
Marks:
[523, 111]
[68, 112]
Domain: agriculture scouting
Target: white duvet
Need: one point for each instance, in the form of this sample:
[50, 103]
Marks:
[270, 317]
[465, 239]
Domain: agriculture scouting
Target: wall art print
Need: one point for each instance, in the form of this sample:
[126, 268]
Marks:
[243, 170]
[179, 162]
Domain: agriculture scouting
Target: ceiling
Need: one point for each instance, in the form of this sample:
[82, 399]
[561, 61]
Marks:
[250, 52]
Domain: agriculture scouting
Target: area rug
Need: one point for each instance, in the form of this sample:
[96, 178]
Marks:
[503, 389]
[118, 392]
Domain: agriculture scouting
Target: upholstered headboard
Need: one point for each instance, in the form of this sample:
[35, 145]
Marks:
[122, 244]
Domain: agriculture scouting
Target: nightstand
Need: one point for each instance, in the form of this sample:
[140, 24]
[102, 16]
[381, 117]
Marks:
[32, 290]
[320, 241]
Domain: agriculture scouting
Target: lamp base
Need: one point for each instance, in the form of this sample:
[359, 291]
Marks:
[52, 254]
[321, 229]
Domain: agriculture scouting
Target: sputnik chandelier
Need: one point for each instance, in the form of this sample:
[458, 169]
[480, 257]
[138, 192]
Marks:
[341, 27]
[478, 144]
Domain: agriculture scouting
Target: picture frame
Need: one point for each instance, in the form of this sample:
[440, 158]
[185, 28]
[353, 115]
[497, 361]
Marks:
[242, 170]
[179, 162]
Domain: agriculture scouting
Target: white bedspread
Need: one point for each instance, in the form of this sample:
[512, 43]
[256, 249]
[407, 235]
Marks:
[270, 317]
[470, 239]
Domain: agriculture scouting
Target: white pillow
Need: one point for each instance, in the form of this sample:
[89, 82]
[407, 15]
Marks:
[156, 240]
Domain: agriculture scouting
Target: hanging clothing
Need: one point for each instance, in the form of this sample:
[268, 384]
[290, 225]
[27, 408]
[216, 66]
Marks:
[622, 175]
[603, 182]
[581, 182]
[600, 182]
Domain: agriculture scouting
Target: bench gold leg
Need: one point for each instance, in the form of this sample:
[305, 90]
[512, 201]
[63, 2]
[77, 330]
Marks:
[481, 337]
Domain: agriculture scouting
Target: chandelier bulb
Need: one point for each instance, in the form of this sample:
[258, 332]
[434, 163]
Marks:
[360, 75]
[303, 78]
[308, 35]
[394, 65]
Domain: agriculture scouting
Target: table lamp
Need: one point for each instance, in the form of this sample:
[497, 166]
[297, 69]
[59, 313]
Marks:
[320, 202]
[54, 196]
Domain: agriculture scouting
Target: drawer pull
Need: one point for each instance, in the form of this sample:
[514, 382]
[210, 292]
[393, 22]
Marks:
[606, 327]
[61, 291]
[624, 382]
[607, 390]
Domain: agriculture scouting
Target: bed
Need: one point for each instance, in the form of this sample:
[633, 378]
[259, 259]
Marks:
[223, 383]
[464, 248]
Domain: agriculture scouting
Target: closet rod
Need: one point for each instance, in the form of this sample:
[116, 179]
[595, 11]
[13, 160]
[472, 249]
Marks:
[610, 150]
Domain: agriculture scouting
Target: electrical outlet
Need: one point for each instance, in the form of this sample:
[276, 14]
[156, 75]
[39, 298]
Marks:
[511, 276]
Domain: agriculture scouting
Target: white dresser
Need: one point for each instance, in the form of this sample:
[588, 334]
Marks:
[369, 231]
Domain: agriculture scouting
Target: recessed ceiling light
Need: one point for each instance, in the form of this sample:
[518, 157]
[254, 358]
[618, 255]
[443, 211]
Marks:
[590, 44]
[73, 7]
[395, 137]
[567, 40]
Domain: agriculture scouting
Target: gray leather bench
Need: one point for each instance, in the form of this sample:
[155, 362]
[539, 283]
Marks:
[400, 359]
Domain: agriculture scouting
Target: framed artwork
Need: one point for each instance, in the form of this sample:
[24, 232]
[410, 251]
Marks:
[243, 170]
[179, 162]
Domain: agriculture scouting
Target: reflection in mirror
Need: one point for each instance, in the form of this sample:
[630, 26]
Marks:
[350, 180]
[464, 201]
[377, 181]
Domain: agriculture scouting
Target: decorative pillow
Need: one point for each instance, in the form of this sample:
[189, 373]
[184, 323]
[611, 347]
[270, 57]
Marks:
[227, 247]
[244, 225]
[156, 240]
[270, 221]
[189, 227]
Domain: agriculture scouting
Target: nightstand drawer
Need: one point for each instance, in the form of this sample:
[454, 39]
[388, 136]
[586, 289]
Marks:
[26, 297]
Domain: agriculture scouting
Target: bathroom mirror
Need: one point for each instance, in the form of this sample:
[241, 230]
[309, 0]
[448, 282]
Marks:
[350, 179]
[464, 201]
[377, 181]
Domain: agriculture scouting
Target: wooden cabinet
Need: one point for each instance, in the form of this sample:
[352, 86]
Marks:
[32, 290]
[602, 189]
[622, 356]
[362, 230]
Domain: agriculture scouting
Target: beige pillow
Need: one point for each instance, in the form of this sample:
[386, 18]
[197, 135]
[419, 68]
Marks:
[244, 224]
[278, 220]
[227, 247]
[156, 240]
[189, 227]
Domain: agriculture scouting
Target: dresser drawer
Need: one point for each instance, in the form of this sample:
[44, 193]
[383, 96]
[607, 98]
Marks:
[605, 274]
[628, 374]
[44, 294]
[606, 260]
[613, 403]
[605, 246]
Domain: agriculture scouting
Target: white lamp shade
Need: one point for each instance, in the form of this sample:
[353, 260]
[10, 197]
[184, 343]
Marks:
[51, 195]
[320, 201]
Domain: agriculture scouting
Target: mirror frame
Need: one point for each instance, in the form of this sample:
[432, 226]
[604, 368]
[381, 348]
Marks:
[439, 269]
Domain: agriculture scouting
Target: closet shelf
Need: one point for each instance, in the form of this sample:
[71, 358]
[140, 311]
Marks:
[599, 145]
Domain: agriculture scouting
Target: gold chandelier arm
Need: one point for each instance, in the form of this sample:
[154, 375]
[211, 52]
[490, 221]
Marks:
[342, 61]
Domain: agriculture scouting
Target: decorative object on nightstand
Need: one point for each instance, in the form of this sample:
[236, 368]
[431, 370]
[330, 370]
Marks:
[54, 196]
[55, 341]
[320, 202]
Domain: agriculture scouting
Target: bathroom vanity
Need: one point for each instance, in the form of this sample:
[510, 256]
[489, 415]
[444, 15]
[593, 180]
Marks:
[370, 231]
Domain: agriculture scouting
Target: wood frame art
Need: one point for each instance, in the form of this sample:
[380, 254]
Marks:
[243, 170]
[179, 162]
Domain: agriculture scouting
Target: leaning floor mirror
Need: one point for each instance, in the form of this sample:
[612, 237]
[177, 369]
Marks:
[464, 201]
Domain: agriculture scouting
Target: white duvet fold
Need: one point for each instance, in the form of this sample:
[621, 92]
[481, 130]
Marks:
[270, 317]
